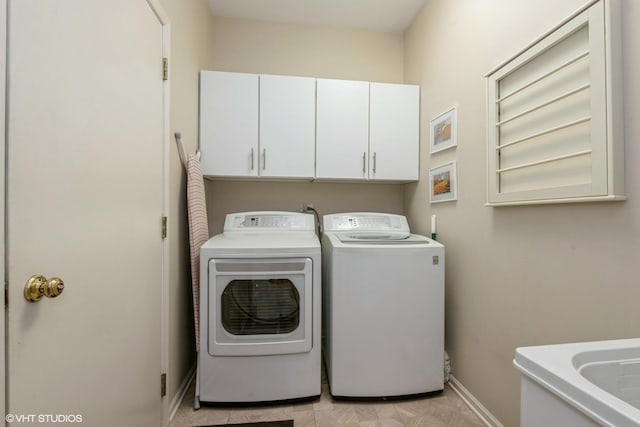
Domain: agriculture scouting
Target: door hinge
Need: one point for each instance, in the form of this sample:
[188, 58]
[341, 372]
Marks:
[163, 385]
[164, 227]
[6, 296]
[165, 68]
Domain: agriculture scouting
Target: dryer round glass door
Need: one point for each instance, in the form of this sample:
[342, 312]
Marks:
[259, 306]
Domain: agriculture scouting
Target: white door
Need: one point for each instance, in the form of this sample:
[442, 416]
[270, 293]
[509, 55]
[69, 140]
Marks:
[287, 126]
[342, 136]
[229, 123]
[84, 203]
[394, 132]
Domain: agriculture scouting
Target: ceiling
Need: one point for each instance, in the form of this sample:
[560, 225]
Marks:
[376, 15]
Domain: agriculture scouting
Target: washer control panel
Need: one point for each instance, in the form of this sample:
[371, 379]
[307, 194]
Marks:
[367, 223]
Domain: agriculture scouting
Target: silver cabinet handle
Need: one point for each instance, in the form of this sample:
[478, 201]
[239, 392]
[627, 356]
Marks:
[374, 162]
[264, 158]
[364, 162]
[251, 158]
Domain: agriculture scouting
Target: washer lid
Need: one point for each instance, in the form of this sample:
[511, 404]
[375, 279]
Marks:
[372, 239]
[367, 226]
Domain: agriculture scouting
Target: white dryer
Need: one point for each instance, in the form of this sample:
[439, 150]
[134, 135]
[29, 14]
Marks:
[260, 309]
[383, 303]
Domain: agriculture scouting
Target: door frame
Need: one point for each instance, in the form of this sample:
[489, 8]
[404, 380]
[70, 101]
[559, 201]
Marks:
[164, 328]
[3, 147]
[157, 8]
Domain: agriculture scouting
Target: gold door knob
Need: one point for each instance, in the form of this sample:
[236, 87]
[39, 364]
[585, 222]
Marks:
[38, 286]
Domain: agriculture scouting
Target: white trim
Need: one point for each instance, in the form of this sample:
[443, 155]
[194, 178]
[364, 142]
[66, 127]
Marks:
[159, 12]
[473, 403]
[611, 198]
[3, 103]
[181, 392]
[157, 8]
[533, 43]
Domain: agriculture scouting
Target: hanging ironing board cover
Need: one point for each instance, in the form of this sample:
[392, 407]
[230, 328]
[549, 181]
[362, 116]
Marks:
[198, 231]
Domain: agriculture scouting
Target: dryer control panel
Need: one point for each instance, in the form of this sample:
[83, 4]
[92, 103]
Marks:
[268, 221]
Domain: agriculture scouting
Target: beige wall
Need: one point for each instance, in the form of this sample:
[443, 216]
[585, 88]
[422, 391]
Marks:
[517, 275]
[227, 196]
[190, 39]
[314, 51]
[251, 46]
[199, 42]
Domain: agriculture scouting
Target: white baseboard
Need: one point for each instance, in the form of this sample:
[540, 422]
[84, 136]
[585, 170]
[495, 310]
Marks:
[180, 393]
[474, 403]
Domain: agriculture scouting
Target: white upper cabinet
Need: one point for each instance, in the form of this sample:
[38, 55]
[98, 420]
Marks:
[367, 131]
[229, 123]
[257, 126]
[394, 111]
[342, 136]
[287, 126]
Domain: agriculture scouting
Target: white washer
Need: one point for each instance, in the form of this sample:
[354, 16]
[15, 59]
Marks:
[383, 296]
[260, 308]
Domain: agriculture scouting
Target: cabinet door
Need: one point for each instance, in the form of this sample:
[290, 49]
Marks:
[394, 132]
[342, 136]
[287, 126]
[229, 123]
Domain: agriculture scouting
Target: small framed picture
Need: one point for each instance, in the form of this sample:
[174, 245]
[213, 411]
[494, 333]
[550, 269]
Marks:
[443, 183]
[444, 131]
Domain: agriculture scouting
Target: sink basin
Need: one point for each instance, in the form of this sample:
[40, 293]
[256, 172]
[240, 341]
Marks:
[580, 384]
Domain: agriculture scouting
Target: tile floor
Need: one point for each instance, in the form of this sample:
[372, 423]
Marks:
[442, 410]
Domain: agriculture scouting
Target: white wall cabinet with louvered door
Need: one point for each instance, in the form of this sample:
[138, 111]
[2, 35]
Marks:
[342, 135]
[394, 125]
[555, 115]
[287, 127]
[229, 124]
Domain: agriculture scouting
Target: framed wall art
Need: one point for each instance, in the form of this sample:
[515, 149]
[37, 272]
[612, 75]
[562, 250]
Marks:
[443, 132]
[443, 183]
